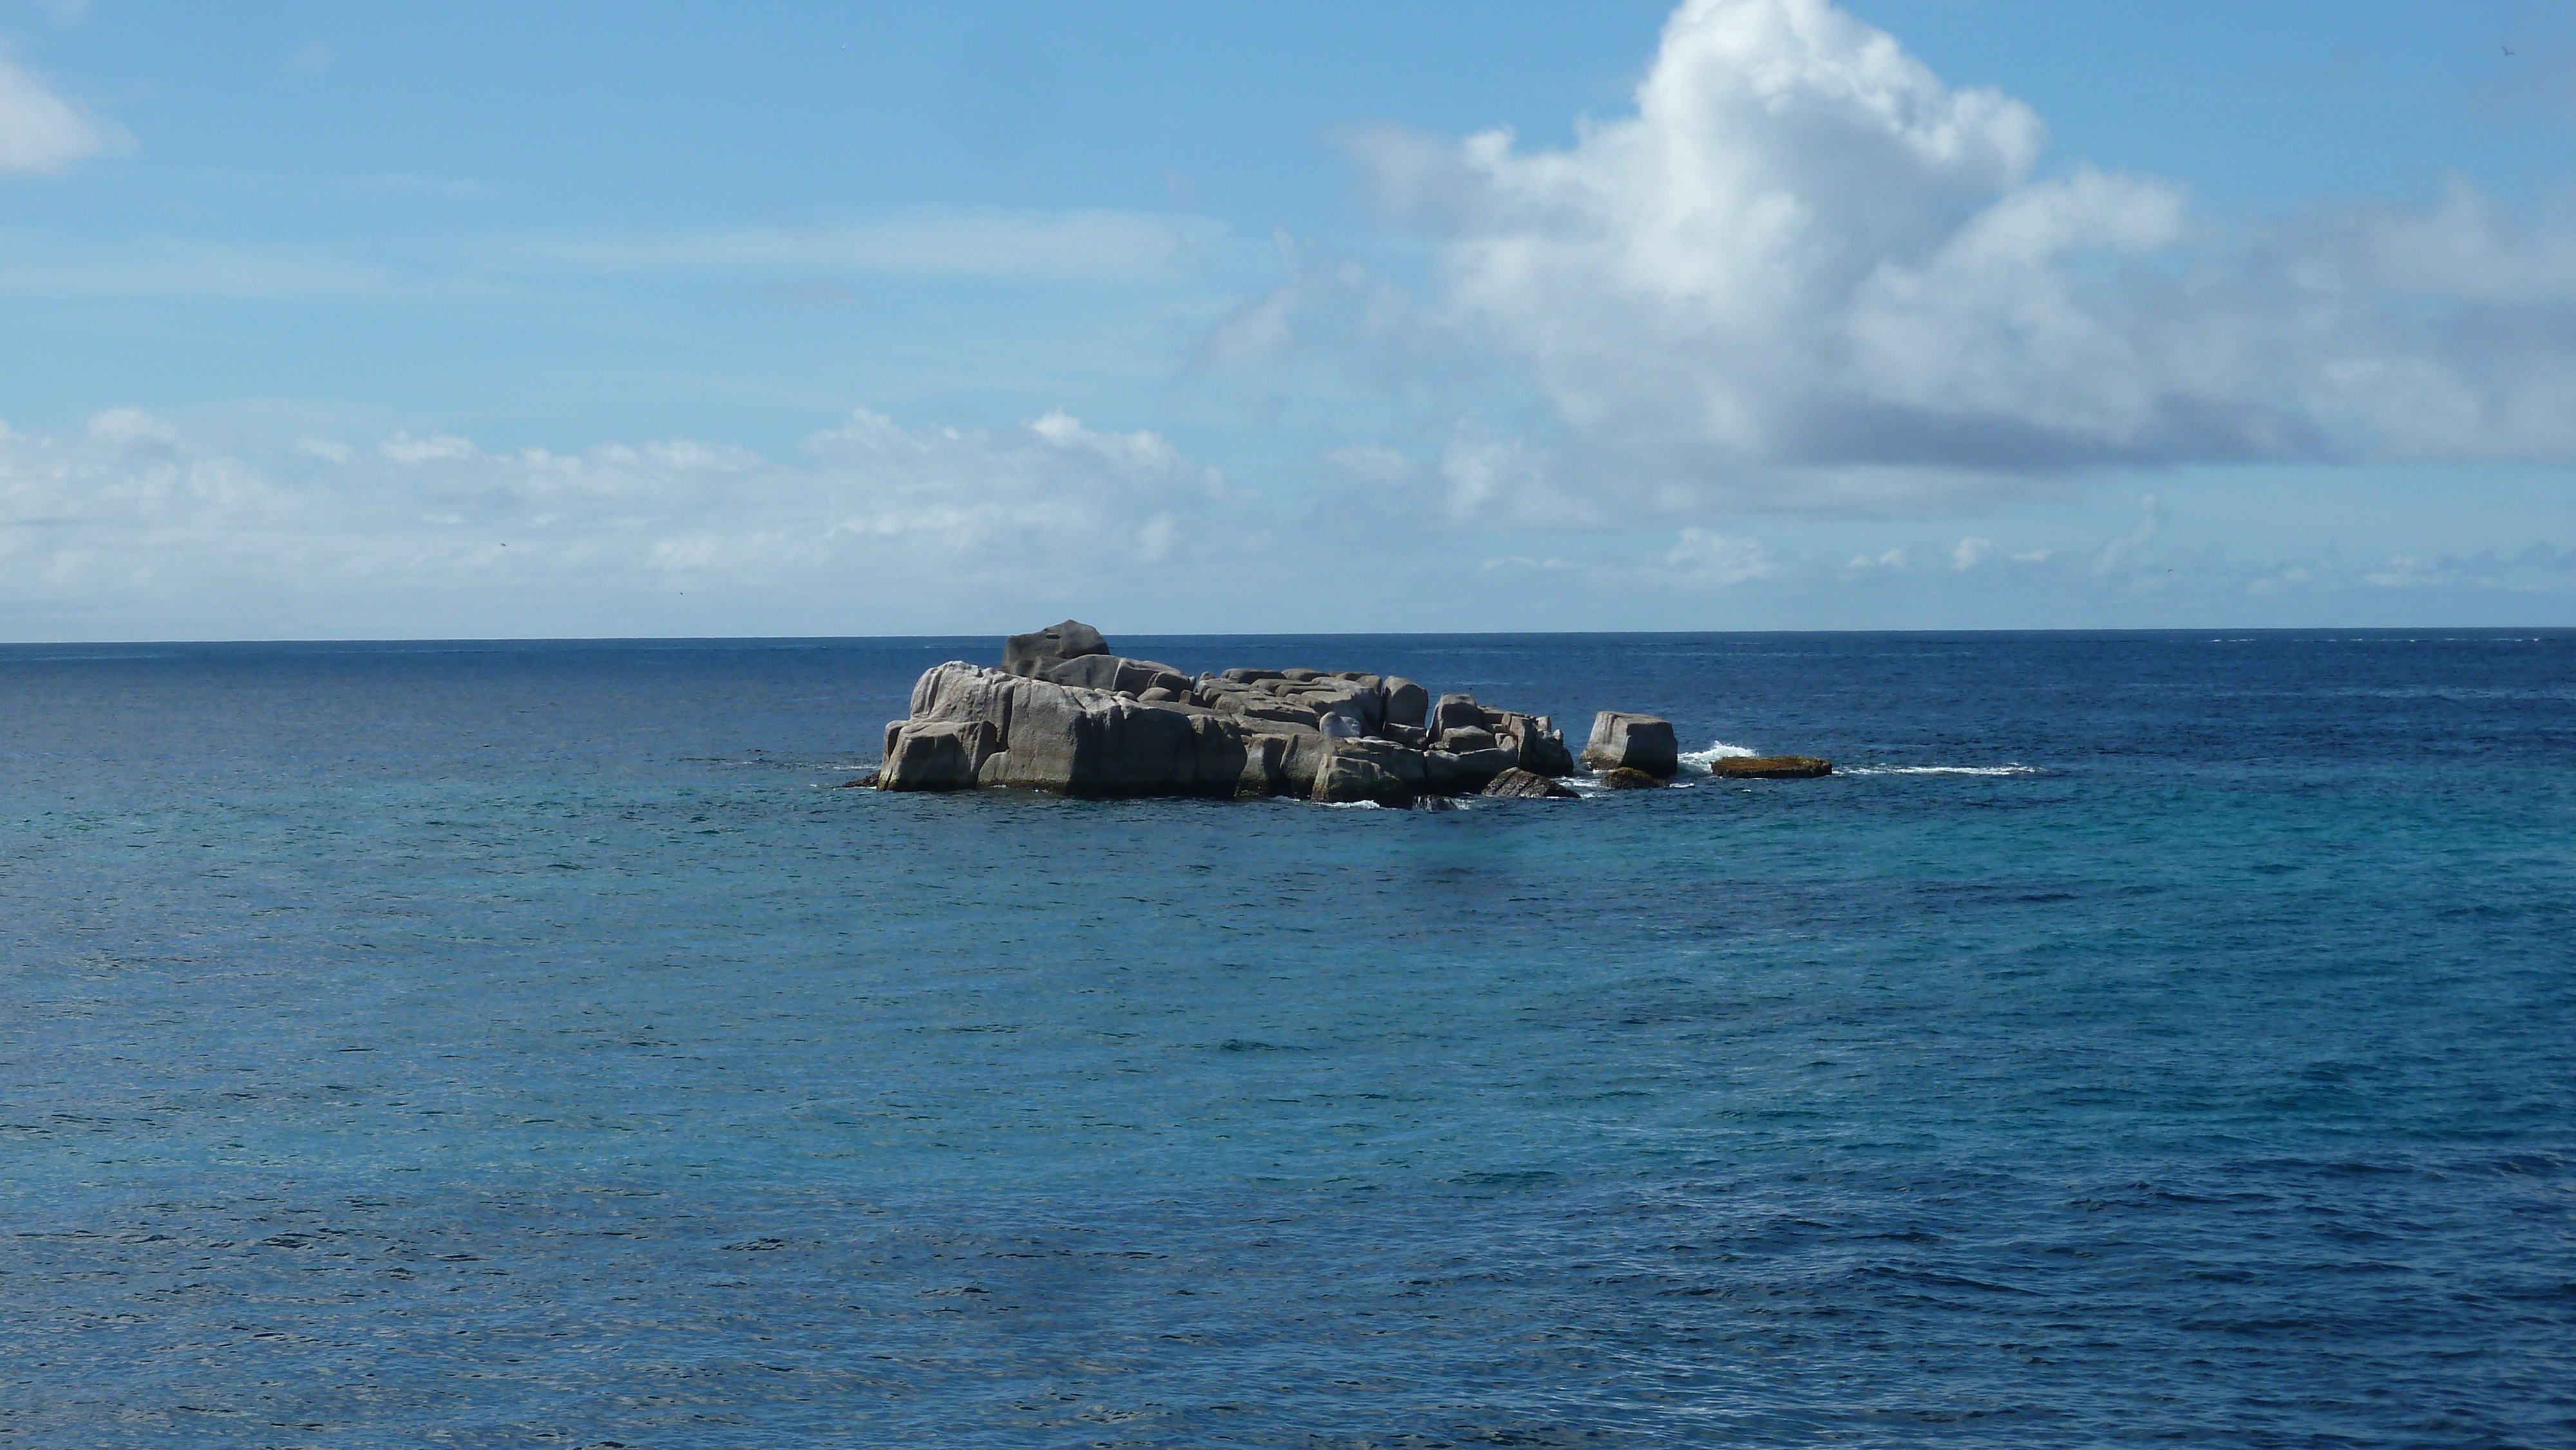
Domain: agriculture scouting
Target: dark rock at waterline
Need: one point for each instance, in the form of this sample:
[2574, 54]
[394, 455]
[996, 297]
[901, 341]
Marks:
[1629, 778]
[1517, 783]
[859, 782]
[1773, 767]
[1624, 741]
[1351, 779]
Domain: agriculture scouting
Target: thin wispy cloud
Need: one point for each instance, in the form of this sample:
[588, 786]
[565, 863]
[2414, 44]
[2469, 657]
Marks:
[1098, 247]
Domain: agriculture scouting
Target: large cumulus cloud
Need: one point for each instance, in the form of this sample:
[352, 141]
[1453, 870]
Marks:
[1808, 270]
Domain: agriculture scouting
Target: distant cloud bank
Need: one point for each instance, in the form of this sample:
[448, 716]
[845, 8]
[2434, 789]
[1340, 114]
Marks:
[133, 522]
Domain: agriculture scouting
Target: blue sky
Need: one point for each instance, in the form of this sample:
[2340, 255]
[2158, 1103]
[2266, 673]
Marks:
[800, 319]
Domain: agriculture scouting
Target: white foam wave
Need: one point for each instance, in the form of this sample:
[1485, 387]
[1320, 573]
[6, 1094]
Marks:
[2010, 768]
[1702, 762]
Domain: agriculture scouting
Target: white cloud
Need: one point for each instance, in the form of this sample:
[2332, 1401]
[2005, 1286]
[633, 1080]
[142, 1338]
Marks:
[137, 526]
[1508, 483]
[41, 132]
[1107, 249]
[1971, 552]
[1805, 256]
[1083, 246]
[138, 519]
[2120, 552]
[1373, 463]
[33, 266]
[1713, 557]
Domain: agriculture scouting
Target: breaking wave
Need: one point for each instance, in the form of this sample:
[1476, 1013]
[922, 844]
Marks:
[1701, 762]
[2008, 768]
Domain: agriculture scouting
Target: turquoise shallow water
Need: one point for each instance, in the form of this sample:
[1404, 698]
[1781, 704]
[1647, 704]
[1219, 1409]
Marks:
[490, 1045]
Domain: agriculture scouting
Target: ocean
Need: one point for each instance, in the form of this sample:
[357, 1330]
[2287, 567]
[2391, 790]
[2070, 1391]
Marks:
[2161, 1038]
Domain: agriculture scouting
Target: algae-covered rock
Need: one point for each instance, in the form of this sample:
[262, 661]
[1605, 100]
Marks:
[1773, 767]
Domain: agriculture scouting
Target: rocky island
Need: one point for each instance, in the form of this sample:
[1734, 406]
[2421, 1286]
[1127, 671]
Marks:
[1063, 713]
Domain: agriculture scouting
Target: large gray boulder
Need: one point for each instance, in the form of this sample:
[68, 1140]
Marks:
[1543, 751]
[1265, 766]
[1301, 758]
[1350, 779]
[1476, 767]
[1029, 654]
[1624, 741]
[1456, 712]
[936, 754]
[1270, 711]
[1404, 764]
[1111, 672]
[1441, 775]
[1406, 702]
[1078, 741]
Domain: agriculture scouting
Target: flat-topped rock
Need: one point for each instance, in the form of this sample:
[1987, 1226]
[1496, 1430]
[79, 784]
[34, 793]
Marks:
[1773, 767]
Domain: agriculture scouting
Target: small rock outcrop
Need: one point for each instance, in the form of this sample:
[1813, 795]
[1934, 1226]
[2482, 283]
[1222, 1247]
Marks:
[1622, 741]
[1773, 767]
[1065, 714]
[1630, 778]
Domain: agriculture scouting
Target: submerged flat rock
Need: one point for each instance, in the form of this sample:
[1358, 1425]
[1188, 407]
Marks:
[1773, 767]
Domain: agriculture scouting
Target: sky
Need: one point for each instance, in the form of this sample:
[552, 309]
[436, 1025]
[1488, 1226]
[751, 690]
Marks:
[480, 320]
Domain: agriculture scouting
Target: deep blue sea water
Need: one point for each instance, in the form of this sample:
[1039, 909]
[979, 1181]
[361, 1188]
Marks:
[2144, 1039]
